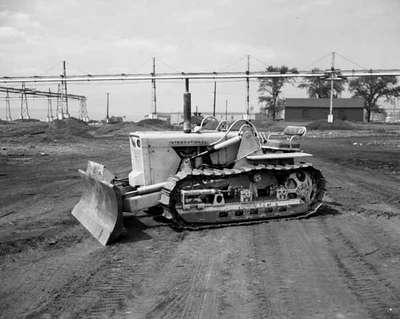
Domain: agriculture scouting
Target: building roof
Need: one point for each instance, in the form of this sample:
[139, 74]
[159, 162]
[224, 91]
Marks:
[324, 103]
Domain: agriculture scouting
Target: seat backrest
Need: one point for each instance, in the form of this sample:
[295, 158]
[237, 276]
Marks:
[295, 130]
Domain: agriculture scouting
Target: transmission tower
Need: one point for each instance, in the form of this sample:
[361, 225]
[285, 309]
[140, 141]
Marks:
[60, 114]
[8, 108]
[83, 113]
[64, 92]
[50, 116]
[24, 104]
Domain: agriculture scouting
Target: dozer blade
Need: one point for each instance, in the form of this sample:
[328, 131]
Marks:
[98, 209]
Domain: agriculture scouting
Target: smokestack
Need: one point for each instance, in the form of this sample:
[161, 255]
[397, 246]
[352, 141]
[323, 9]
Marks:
[187, 109]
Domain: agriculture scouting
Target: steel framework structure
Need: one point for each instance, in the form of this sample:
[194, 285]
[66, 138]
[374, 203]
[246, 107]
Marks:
[61, 111]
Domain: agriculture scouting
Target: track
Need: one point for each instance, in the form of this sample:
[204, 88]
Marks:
[172, 189]
[340, 263]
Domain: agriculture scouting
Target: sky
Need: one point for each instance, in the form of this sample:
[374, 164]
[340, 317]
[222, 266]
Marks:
[122, 36]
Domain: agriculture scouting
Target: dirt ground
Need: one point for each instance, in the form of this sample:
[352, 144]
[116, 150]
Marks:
[342, 263]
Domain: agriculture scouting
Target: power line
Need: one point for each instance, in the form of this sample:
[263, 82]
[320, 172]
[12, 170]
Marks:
[143, 63]
[265, 64]
[173, 68]
[55, 66]
[233, 62]
[348, 60]
[318, 60]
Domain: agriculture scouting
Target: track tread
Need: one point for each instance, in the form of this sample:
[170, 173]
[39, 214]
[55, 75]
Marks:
[180, 224]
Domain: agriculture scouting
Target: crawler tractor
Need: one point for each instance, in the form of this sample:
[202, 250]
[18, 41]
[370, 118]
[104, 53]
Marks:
[201, 178]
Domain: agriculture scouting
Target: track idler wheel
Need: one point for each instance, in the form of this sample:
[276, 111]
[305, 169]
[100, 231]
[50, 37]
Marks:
[300, 184]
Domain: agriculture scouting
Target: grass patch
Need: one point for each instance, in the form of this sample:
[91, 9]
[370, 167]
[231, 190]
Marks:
[323, 125]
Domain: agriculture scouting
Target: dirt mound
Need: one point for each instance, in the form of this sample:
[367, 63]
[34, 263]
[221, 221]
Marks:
[42, 131]
[155, 124]
[68, 127]
[108, 128]
[125, 128]
[27, 120]
[72, 124]
[336, 125]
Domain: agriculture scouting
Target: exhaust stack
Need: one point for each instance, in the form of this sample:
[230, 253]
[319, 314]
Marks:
[187, 109]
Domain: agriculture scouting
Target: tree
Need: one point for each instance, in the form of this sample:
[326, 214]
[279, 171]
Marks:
[271, 88]
[321, 88]
[372, 88]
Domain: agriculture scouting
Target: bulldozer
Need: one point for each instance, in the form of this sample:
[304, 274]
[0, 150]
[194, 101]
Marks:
[232, 174]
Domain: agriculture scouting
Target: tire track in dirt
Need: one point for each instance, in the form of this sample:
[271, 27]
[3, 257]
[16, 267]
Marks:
[262, 277]
[178, 301]
[201, 301]
[379, 296]
[235, 298]
[110, 289]
[299, 278]
[380, 236]
[189, 293]
[357, 182]
[351, 245]
[195, 283]
[37, 283]
[40, 237]
[99, 283]
[318, 278]
[288, 262]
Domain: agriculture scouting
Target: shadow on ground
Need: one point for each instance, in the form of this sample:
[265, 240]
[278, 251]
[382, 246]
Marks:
[134, 230]
[326, 210]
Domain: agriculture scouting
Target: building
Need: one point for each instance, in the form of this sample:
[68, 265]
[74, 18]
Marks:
[309, 109]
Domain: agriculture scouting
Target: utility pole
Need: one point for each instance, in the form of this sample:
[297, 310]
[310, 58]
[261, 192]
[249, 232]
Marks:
[330, 116]
[108, 108]
[65, 90]
[248, 88]
[153, 113]
[50, 116]
[8, 108]
[226, 110]
[215, 97]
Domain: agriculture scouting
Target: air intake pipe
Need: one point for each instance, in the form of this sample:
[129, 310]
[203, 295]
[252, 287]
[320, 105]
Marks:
[220, 145]
[187, 109]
